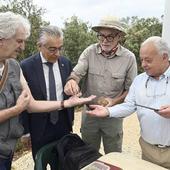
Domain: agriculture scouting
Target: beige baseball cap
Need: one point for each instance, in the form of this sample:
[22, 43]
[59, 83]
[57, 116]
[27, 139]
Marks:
[110, 22]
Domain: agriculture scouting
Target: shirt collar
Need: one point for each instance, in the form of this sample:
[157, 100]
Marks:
[166, 74]
[45, 61]
[42, 58]
[117, 53]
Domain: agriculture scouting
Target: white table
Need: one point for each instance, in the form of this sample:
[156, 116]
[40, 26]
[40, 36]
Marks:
[127, 162]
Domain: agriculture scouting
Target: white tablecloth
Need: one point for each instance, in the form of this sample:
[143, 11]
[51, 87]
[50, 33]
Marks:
[127, 162]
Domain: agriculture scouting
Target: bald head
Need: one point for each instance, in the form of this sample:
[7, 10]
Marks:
[161, 46]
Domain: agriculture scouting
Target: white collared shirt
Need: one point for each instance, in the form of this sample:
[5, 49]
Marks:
[148, 91]
[57, 77]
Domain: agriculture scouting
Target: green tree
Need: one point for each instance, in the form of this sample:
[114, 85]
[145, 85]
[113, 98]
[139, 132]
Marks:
[77, 36]
[139, 30]
[34, 14]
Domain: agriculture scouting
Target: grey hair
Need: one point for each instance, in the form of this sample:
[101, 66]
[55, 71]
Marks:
[49, 30]
[10, 22]
[160, 44]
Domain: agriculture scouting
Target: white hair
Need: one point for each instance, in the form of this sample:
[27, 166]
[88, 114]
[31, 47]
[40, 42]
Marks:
[10, 22]
[160, 44]
[50, 30]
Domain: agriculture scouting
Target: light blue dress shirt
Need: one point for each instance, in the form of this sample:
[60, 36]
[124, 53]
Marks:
[147, 91]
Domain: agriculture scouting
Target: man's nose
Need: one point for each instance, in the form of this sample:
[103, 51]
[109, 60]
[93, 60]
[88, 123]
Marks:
[57, 52]
[22, 46]
[143, 64]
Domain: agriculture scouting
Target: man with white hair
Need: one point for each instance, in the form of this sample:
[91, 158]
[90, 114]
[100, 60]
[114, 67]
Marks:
[15, 95]
[108, 70]
[148, 95]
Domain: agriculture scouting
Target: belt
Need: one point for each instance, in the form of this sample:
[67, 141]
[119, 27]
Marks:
[161, 146]
[156, 145]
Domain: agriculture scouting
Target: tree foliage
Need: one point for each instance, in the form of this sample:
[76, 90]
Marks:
[77, 36]
[139, 30]
[34, 14]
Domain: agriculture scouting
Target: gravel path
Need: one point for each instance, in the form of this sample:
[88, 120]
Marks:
[130, 142]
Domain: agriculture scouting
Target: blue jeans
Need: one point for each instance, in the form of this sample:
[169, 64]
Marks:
[5, 164]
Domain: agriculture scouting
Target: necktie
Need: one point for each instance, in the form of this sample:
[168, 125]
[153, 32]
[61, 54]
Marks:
[52, 92]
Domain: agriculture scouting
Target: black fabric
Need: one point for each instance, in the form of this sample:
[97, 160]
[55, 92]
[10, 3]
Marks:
[39, 123]
[52, 132]
[5, 164]
[73, 153]
[52, 92]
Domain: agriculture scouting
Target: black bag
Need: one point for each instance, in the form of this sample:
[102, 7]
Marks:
[73, 153]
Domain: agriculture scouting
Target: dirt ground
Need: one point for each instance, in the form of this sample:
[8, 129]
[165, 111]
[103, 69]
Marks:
[130, 141]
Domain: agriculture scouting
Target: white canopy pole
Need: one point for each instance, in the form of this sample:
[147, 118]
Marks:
[166, 22]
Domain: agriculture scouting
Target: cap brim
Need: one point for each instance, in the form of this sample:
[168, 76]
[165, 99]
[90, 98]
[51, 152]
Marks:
[97, 28]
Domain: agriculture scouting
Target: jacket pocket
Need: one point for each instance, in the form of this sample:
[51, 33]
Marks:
[5, 149]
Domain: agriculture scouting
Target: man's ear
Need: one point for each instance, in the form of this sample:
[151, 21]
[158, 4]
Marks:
[120, 37]
[165, 56]
[38, 45]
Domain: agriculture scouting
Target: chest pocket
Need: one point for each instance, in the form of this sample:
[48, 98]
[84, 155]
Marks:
[118, 81]
[95, 79]
[95, 72]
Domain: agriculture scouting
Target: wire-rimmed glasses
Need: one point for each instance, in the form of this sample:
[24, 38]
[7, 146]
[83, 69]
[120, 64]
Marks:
[156, 91]
[54, 50]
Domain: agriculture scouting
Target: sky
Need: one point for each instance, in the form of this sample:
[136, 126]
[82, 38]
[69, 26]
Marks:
[57, 11]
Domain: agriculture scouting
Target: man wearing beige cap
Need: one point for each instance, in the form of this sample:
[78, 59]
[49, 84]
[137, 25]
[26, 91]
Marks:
[108, 70]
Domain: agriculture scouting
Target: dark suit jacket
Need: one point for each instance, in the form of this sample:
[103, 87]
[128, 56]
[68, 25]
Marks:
[33, 72]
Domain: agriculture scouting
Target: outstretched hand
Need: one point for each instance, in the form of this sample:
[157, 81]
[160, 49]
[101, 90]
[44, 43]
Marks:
[98, 111]
[76, 100]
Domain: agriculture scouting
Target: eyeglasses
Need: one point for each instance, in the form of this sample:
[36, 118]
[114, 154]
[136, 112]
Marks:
[156, 92]
[53, 50]
[109, 38]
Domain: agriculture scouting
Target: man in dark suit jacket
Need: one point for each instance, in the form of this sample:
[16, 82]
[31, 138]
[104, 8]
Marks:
[35, 70]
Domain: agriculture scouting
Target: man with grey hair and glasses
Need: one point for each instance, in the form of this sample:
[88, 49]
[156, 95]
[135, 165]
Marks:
[148, 96]
[38, 70]
[108, 70]
[15, 95]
